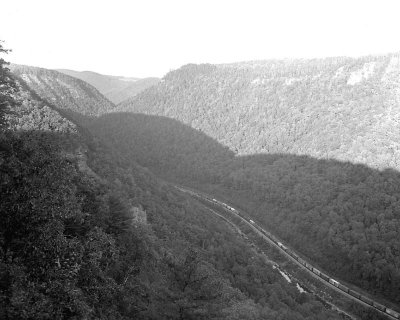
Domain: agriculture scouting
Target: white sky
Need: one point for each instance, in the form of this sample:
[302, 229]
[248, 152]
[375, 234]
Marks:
[150, 37]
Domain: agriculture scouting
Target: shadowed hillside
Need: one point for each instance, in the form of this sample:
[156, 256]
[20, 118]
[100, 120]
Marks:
[317, 146]
[165, 145]
[343, 216]
[341, 108]
[86, 233]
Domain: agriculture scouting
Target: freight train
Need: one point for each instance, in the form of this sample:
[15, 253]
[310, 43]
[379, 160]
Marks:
[317, 272]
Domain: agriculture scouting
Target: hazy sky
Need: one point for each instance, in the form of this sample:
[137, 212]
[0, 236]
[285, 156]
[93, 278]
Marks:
[151, 37]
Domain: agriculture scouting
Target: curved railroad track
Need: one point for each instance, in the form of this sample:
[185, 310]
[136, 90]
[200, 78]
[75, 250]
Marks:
[292, 255]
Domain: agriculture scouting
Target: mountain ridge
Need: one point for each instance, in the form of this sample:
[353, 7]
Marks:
[71, 95]
[107, 239]
[283, 109]
[88, 72]
[306, 144]
[115, 88]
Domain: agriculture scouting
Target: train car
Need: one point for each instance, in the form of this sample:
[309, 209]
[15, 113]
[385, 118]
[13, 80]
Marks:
[343, 288]
[393, 313]
[379, 306]
[302, 261]
[316, 271]
[258, 228]
[334, 282]
[324, 276]
[354, 294]
[308, 266]
[282, 246]
[366, 300]
[292, 254]
[274, 239]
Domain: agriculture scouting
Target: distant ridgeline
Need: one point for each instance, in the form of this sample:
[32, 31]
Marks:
[116, 89]
[86, 233]
[311, 147]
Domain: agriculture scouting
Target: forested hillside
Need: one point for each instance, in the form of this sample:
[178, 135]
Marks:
[310, 147]
[86, 233]
[340, 108]
[73, 96]
[116, 89]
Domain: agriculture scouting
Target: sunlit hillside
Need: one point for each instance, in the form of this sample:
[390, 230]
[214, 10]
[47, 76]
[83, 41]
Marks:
[334, 108]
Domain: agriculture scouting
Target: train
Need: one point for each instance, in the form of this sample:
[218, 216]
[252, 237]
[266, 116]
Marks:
[317, 272]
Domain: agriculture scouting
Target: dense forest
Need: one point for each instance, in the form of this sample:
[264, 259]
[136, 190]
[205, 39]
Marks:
[75, 97]
[342, 216]
[340, 108]
[311, 148]
[86, 233]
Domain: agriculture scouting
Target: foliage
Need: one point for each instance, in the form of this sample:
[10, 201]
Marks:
[309, 147]
[73, 97]
[7, 86]
[72, 248]
[311, 107]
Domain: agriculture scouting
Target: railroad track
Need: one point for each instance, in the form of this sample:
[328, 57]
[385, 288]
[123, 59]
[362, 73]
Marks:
[293, 256]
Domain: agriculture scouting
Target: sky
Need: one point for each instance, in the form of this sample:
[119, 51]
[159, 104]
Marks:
[151, 37]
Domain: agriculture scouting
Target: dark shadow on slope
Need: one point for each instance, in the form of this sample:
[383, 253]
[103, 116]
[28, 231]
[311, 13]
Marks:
[341, 215]
[38, 160]
[164, 145]
[194, 256]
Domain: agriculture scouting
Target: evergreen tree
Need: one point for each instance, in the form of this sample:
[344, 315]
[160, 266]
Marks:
[7, 85]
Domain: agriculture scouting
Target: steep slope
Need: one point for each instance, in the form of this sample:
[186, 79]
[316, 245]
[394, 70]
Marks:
[310, 147]
[73, 96]
[339, 108]
[116, 89]
[86, 234]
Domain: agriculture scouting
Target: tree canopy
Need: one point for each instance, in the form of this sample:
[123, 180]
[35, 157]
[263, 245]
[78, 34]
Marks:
[309, 147]
[8, 85]
[85, 233]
